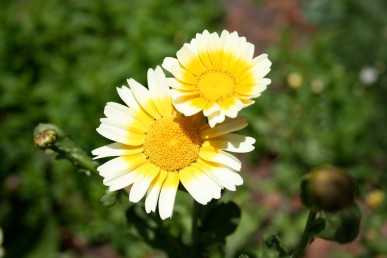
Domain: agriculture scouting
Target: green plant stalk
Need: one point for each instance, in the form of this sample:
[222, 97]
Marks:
[77, 156]
[307, 235]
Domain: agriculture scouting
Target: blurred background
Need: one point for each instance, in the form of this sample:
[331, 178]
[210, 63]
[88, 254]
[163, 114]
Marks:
[60, 62]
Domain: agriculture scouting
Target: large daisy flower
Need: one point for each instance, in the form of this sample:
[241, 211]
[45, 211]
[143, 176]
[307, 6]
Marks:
[156, 147]
[216, 74]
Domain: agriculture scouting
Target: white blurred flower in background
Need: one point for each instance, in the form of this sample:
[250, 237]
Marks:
[368, 75]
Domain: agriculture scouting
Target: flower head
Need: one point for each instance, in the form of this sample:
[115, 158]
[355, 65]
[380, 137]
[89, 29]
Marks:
[156, 147]
[216, 74]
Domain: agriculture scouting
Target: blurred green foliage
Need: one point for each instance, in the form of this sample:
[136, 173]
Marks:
[320, 109]
[326, 105]
[61, 61]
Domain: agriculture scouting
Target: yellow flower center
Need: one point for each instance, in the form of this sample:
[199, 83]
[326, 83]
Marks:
[216, 85]
[172, 143]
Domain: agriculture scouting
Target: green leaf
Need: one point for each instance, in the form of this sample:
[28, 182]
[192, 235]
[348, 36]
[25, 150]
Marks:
[343, 226]
[220, 221]
[154, 232]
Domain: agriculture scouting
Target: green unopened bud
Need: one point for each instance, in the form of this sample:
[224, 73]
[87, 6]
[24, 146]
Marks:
[46, 139]
[327, 188]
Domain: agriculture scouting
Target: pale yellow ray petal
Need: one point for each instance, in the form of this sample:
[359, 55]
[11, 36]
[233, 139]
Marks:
[147, 173]
[173, 66]
[231, 106]
[190, 60]
[116, 149]
[170, 63]
[215, 155]
[216, 118]
[120, 135]
[228, 126]
[236, 58]
[211, 186]
[193, 186]
[246, 102]
[221, 175]
[154, 191]
[184, 94]
[129, 99]
[232, 142]
[255, 88]
[133, 126]
[168, 194]
[211, 108]
[229, 48]
[189, 106]
[159, 90]
[143, 98]
[121, 165]
[201, 42]
[180, 85]
[206, 169]
[121, 181]
[215, 50]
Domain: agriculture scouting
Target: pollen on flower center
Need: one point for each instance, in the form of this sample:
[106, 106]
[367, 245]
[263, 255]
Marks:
[216, 85]
[172, 143]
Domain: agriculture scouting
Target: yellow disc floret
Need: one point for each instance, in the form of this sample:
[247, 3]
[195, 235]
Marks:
[216, 85]
[172, 143]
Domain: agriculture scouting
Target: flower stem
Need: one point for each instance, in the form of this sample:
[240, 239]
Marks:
[306, 236]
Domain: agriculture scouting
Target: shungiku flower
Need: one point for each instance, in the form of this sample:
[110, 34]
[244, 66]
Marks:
[156, 147]
[217, 75]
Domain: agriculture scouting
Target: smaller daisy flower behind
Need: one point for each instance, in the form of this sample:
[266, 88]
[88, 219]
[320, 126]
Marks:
[217, 75]
[156, 147]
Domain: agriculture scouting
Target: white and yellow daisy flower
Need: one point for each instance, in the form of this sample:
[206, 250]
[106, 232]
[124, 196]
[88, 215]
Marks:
[156, 147]
[216, 74]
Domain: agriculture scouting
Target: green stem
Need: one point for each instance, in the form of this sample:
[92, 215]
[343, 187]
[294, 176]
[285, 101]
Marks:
[306, 236]
[77, 156]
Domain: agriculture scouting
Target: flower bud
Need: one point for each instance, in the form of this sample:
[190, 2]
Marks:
[46, 138]
[327, 188]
